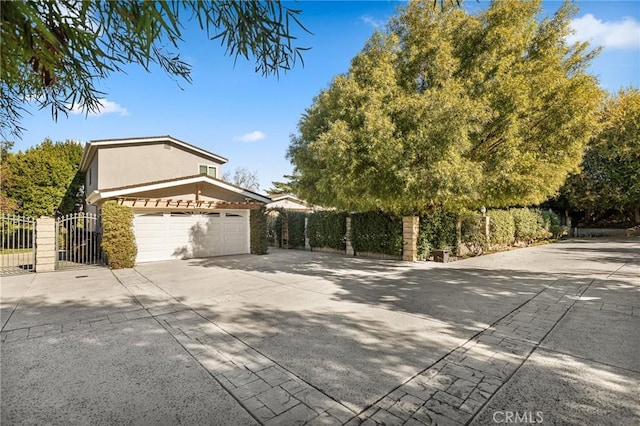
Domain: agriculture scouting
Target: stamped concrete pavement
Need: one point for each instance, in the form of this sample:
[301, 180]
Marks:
[548, 334]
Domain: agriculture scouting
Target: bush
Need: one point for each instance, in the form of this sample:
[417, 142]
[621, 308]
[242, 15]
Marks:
[527, 225]
[296, 228]
[502, 227]
[118, 240]
[273, 236]
[327, 229]
[553, 223]
[376, 232]
[437, 232]
[472, 234]
[258, 231]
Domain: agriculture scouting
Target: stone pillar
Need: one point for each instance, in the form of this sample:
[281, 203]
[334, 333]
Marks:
[486, 228]
[46, 250]
[307, 246]
[349, 250]
[410, 229]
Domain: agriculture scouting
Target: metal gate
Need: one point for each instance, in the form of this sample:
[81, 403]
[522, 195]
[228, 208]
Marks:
[17, 244]
[78, 241]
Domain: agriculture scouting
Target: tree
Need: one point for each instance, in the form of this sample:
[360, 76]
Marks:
[449, 110]
[243, 178]
[7, 204]
[44, 180]
[610, 177]
[288, 187]
[54, 52]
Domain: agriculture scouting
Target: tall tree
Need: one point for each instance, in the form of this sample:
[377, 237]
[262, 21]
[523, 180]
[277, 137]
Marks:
[447, 109]
[44, 180]
[287, 187]
[55, 51]
[610, 177]
[7, 204]
[243, 178]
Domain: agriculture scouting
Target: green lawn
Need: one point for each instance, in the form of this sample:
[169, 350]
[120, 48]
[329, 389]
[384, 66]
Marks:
[14, 251]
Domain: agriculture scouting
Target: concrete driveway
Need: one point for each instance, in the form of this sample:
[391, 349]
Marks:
[549, 334]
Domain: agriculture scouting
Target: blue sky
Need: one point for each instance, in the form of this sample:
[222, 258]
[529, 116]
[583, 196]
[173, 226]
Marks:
[234, 112]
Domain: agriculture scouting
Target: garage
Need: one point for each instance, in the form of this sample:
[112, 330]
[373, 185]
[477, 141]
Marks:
[184, 235]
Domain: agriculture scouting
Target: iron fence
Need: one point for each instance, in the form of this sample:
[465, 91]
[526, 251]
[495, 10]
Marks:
[17, 244]
[78, 241]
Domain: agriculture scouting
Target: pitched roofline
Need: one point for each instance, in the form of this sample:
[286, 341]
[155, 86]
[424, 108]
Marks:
[103, 194]
[92, 146]
[291, 197]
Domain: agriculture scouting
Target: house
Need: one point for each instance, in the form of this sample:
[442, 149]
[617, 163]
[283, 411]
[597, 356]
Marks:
[289, 202]
[181, 207]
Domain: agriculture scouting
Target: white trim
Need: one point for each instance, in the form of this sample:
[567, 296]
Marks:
[96, 196]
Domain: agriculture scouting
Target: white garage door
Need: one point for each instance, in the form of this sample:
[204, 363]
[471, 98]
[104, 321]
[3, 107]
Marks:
[164, 236]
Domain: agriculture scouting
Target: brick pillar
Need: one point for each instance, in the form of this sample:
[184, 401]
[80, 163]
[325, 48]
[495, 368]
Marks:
[307, 246]
[410, 228]
[46, 250]
[349, 250]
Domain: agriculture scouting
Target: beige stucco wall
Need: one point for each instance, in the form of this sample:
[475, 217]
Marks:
[93, 171]
[135, 164]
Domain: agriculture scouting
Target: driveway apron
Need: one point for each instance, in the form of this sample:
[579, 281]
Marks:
[548, 333]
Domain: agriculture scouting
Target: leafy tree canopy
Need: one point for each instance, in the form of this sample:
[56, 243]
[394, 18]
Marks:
[287, 187]
[44, 180]
[610, 177]
[55, 51]
[448, 109]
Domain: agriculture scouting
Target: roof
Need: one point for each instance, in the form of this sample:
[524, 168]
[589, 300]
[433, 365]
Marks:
[168, 183]
[92, 146]
[279, 197]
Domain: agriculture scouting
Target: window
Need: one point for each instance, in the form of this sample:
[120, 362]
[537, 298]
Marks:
[208, 170]
[89, 183]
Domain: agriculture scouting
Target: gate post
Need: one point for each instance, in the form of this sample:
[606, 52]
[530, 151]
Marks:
[410, 229]
[349, 250]
[46, 250]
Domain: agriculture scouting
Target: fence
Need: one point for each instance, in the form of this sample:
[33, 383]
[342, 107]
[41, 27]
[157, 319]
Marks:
[17, 244]
[78, 241]
[48, 244]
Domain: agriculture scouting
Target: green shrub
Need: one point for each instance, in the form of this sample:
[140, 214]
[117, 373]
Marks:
[527, 225]
[296, 228]
[472, 234]
[273, 235]
[376, 232]
[327, 229]
[437, 232]
[258, 231]
[502, 227]
[118, 240]
[553, 223]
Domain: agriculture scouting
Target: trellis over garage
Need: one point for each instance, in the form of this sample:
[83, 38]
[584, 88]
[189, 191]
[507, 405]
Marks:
[175, 215]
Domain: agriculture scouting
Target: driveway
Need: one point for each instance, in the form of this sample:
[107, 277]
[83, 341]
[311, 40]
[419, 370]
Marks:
[544, 334]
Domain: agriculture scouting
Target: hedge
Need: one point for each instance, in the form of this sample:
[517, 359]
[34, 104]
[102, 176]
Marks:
[532, 225]
[296, 228]
[502, 227]
[327, 229]
[118, 240]
[376, 232]
[437, 232]
[472, 233]
[258, 231]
